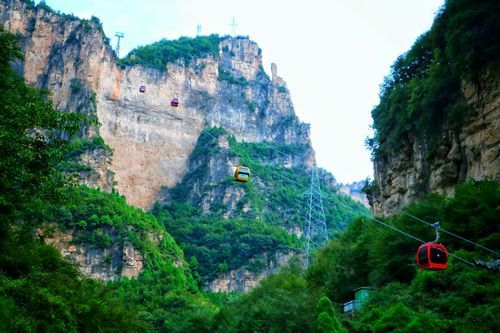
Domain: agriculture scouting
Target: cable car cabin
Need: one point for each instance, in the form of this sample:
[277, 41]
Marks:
[142, 88]
[174, 102]
[242, 174]
[432, 256]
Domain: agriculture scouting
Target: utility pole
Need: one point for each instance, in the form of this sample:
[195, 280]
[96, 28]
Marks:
[233, 26]
[119, 35]
[198, 29]
[315, 232]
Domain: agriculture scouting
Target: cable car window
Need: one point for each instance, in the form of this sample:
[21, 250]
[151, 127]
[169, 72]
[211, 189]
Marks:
[422, 255]
[438, 256]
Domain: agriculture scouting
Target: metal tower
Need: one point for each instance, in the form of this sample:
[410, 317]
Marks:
[233, 26]
[315, 232]
[119, 35]
[198, 30]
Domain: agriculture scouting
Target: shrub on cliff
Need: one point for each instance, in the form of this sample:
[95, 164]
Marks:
[163, 52]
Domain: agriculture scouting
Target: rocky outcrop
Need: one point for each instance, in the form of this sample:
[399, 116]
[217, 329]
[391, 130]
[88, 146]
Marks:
[472, 151]
[243, 280]
[151, 141]
[119, 260]
[207, 183]
[354, 190]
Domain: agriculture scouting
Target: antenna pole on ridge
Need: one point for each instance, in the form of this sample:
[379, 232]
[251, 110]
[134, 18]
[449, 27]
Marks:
[119, 35]
[233, 26]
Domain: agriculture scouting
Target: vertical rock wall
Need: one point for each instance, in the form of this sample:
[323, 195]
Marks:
[470, 152]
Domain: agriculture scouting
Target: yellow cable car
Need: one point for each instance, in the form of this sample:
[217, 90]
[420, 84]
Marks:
[241, 174]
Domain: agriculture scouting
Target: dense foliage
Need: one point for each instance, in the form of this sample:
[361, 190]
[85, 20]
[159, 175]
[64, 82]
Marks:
[42, 292]
[159, 54]
[281, 303]
[30, 135]
[214, 245]
[423, 93]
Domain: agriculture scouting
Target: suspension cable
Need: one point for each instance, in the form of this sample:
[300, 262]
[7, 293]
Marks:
[404, 233]
[430, 224]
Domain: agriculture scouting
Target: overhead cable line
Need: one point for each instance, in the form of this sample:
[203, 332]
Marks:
[355, 211]
[430, 224]
[404, 233]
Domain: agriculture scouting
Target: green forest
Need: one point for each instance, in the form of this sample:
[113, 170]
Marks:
[159, 54]
[41, 291]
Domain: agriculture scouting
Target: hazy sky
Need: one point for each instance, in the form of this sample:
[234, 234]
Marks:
[333, 54]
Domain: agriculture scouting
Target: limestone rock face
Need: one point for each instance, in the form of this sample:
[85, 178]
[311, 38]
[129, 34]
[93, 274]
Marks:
[119, 260]
[208, 182]
[243, 280]
[354, 191]
[150, 140]
[470, 152]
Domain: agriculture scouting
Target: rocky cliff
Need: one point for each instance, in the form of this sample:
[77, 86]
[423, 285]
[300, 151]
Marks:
[438, 121]
[470, 152]
[151, 141]
[354, 190]
[243, 279]
[121, 259]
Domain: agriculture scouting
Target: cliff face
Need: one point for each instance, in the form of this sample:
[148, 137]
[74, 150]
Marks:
[208, 182]
[243, 280]
[151, 141]
[122, 259]
[472, 151]
[354, 190]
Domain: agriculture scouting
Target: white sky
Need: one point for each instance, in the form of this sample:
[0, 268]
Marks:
[333, 54]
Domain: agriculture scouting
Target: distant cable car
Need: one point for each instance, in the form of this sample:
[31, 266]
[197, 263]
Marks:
[432, 255]
[242, 174]
[142, 88]
[174, 102]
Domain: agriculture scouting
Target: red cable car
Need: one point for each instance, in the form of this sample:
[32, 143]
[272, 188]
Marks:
[174, 102]
[142, 88]
[432, 256]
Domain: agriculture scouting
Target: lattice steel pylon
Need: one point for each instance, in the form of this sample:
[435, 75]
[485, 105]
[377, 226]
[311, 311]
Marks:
[315, 231]
[118, 35]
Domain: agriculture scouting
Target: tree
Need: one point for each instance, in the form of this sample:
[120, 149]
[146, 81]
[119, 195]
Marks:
[31, 138]
[326, 321]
